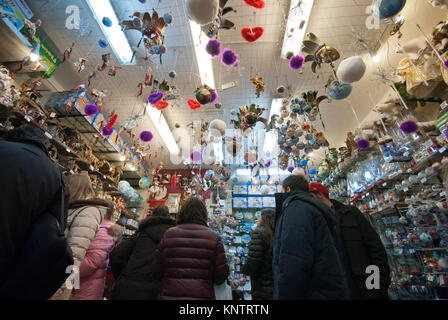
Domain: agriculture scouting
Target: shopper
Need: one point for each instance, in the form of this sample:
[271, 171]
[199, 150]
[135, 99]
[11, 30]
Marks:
[131, 260]
[93, 269]
[84, 218]
[306, 262]
[361, 247]
[190, 259]
[33, 206]
[259, 260]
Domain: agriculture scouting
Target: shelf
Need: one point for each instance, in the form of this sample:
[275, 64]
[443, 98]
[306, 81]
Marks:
[398, 203]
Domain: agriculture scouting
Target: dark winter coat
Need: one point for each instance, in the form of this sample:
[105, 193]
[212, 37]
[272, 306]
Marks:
[361, 247]
[306, 262]
[259, 266]
[190, 259]
[30, 187]
[131, 261]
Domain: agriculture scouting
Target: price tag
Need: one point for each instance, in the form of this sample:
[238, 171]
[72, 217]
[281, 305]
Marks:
[424, 180]
[27, 118]
[48, 135]
[442, 150]
[380, 209]
[405, 189]
[52, 115]
[443, 194]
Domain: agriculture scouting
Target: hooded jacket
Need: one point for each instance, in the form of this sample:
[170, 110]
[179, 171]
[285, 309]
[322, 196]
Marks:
[307, 263]
[259, 266]
[83, 222]
[31, 187]
[131, 261]
[361, 247]
[92, 272]
[189, 260]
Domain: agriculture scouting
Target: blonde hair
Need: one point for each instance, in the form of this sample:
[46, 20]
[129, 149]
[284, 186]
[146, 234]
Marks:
[80, 187]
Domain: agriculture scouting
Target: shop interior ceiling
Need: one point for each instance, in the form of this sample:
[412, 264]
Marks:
[335, 22]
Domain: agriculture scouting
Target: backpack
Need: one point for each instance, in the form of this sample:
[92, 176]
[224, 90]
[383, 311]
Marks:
[41, 266]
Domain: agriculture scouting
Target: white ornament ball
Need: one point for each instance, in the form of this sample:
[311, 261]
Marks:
[299, 172]
[351, 69]
[443, 263]
[218, 127]
[202, 11]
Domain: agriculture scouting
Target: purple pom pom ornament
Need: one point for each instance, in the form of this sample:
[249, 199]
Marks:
[107, 132]
[409, 127]
[297, 62]
[146, 136]
[196, 156]
[213, 48]
[91, 109]
[363, 144]
[291, 169]
[229, 58]
[214, 96]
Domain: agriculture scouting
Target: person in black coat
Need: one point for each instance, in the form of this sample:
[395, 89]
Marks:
[361, 247]
[259, 260]
[306, 263]
[131, 260]
[32, 188]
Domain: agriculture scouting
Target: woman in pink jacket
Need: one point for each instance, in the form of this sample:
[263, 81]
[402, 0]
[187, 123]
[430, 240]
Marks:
[94, 265]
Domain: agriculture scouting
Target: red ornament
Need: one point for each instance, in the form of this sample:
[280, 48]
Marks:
[161, 105]
[112, 122]
[173, 180]
[252, 34]
[193, 104]
[259, 4]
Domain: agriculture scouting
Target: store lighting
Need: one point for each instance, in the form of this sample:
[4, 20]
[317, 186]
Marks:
[376, 58]
[115, 36]
[35, 53]
[270, 137]
[122, 158]
[161, 125]
[202, 57]
[298, 18]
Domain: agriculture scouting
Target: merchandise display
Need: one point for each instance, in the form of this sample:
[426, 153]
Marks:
[160, 103]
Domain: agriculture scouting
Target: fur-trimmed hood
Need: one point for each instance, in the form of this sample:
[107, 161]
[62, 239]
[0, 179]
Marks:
[91, 203]
[155, 226]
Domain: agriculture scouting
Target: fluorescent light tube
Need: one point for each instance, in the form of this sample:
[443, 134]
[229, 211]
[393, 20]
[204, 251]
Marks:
[202, 57]
[115, 36]
[270, 137]
[298, 19]
[161, 125]
[218, 151]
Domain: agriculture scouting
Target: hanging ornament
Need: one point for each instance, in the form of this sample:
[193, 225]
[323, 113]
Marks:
[204, 94]
[252, 34]
[229, 58]
[167, 18]
[258, 4]
[68, 52]
[409, 127]
[297, 62]
[172, 74]
[103, 43]
[233, 146]
[144, 183]
[107, 22]
[213, 48]
[259, 85]
[161, 105]
[193, 104]
[384, 9]
[196, 156]
[146, 136]
[202, 11]
[339, 90]
[351, 70]
[155, 97]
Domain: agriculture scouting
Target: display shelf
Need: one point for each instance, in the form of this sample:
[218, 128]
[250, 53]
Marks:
[389, 206]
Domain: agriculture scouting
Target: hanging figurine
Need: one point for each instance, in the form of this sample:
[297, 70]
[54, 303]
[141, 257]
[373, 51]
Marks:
[259, 85]
[106, 61]
[31, 28]
[90, 77]
[319, 53]
[212, 29]
[67, 53]
[113, 70]
[81, 64]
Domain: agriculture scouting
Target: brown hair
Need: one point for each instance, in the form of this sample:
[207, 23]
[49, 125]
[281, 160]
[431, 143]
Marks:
[80, 187]
[161, 210]
[193, 210]
[268, 224]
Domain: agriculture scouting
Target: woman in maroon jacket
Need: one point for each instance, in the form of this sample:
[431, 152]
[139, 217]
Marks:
[190, 258]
